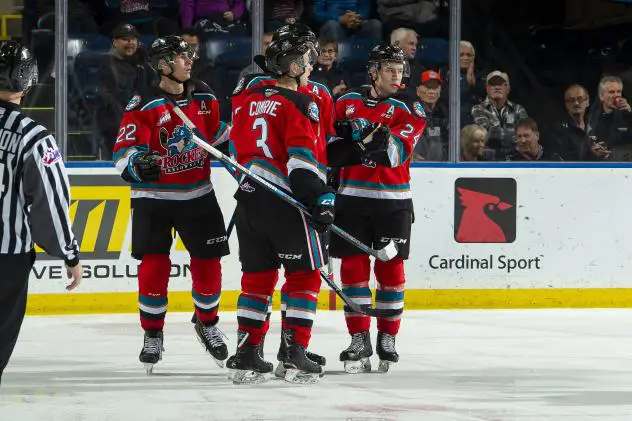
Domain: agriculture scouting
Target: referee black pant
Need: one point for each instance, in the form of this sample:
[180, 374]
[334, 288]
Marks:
[14, 281]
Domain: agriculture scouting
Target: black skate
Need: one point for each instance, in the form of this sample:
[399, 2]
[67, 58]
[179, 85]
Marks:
[247, 366]
[212, 339]
[280, 370]
[298, 367]
[356, 356]
[386, 351]
[152, 349]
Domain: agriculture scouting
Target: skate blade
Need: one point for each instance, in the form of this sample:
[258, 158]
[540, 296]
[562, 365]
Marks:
[295, 376]
[384, 366]
[280, 371]
[246, 377]
[149, 368]
[363, 365]
[220, 363]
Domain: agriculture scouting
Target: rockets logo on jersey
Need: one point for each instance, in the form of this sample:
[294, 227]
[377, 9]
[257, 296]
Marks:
[312, 112]
[182, 153]
[133, 103]
[419, 109]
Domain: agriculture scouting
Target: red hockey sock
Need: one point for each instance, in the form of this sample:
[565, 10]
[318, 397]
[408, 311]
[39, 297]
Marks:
[207, 286]
[302, 298]
[355, 272]
[252, 305]
[390, 293]
[153, 278]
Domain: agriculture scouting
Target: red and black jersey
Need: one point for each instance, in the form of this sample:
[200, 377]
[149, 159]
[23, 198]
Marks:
[388, 186]
[274, 133]
[150, 124]
[317, 91]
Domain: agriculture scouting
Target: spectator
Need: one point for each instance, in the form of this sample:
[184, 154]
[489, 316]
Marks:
[610, 120]
[498, 115]
[282, 12]
[145, 15]
[327, 71]
[124, 71]
[473, 144]
[424, 16]
[407, 39]
[224, 12]
[528, 147]
[573, 143]
[265, 41]
[433, 145]
[340, 18]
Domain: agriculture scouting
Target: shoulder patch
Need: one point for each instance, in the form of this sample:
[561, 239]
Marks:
[419, 109]
[133, 103]
[312, 112]
[51, 156]
[240, 86]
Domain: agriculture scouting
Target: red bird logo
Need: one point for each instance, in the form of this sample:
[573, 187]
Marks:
[476, 226]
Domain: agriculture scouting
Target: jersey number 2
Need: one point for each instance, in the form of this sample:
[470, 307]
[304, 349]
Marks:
[263, 139]
[127, 133]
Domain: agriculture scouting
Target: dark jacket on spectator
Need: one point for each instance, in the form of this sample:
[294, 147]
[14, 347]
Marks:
[545, 155]
[325, 10]
[571, 142]
[614, 128]
[433, 145]
[500, 124]
[413, 11]
[330, 78]
[470, 95]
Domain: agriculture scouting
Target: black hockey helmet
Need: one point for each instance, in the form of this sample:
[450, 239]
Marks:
[166, 48]
[282, 51]
[386, 53]
[18, 67]
[302, 31]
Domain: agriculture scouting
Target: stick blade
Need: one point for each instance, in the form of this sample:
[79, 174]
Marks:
[388, 252]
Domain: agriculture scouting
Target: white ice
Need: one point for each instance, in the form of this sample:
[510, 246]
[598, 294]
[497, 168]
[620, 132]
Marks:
[535, 365]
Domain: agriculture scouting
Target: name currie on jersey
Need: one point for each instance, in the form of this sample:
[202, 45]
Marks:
[264, 107]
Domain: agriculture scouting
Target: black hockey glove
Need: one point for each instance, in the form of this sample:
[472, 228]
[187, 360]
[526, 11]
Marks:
[367, 135]
[146, 166]
[324, 211]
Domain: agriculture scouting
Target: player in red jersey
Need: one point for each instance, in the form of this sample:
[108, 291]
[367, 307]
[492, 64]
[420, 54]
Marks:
[325, 132]
[171, 189]
[374, 202]
[275, 136]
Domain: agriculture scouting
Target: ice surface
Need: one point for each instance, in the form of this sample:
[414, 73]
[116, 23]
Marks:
[535, 365]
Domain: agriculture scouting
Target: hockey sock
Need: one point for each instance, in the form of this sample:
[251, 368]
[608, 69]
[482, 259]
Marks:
[283, 305]
[153, 278]
[390, 293]
[252, 305]
[355, 272]
[302, 298]
[266, 324]
[207, 287]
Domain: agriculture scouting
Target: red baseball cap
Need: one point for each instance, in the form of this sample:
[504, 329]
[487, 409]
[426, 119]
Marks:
[429, 75]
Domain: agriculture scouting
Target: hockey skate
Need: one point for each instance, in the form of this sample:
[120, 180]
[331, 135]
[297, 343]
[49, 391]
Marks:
[385, 349]
[280, 369]
[247, 366]
[213, 340]
[152, 349]
[299, 369]
[356, 356]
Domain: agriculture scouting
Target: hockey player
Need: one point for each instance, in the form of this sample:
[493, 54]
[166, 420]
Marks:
[171, 190]
[374, 201]
[275, 135]
[323, 99]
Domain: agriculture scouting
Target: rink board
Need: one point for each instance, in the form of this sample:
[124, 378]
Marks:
[560, 239]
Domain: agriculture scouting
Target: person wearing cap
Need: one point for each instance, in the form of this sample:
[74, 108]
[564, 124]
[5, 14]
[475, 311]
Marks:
[124, 71]
[433, 145]
[498, 115]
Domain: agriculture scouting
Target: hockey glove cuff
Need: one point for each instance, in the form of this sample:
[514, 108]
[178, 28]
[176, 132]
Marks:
[145, 166]
[324, 211]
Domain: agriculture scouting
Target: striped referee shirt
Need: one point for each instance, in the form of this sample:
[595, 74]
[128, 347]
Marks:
[34, 189]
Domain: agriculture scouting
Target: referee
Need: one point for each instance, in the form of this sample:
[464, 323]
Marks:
[34, 196]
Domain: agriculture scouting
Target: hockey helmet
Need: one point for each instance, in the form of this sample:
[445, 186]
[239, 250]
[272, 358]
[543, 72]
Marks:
[18, 67]
[285, 49]
[166, 49]
[385, 53]
[302, 31]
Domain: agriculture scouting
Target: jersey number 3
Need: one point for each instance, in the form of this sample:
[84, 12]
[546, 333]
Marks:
[263, 139]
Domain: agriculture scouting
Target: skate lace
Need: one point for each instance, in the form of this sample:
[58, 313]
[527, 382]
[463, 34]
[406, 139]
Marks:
[152, 345]
[357, 342]
[214, 336]
[388, 343]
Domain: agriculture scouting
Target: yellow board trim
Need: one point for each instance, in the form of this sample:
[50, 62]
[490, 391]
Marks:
[127, 302]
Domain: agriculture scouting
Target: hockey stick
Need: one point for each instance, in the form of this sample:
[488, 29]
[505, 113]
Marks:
[384, 254]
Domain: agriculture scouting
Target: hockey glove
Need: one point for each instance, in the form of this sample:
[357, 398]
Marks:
[367, 135]
[324, 211]
[146, 166]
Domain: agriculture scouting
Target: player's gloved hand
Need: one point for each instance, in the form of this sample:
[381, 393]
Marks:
[367, 135]
[146, 166]
[324, 211]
